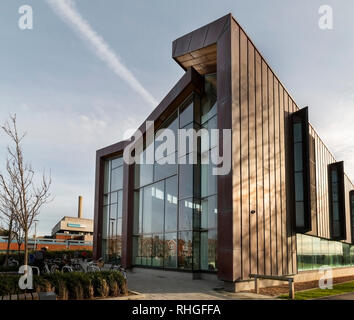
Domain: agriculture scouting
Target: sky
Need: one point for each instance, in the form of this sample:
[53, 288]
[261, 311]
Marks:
[90, 71]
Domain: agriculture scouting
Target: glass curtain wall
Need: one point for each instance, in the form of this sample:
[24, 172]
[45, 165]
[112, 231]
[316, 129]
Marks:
[208, 223]
[314, 252]
[175, 204]
[112, 209]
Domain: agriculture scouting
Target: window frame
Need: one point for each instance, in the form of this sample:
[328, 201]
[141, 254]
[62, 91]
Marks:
[301, 117]
[339, 167]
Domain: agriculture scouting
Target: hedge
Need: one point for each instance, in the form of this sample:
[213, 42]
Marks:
[71, 285]
[8, 269]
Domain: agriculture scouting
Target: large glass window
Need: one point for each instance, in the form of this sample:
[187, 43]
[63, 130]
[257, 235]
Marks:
[165, 149]
[351, 200]
[314, 252]
[153, 208]
[185, 250]
[170, 250]
[208, 220]
[174, 225]
[144, 172]
[313, 183]
[208, 250]
[301, 168]
[336, 199]
[171, 204]
[112, 208]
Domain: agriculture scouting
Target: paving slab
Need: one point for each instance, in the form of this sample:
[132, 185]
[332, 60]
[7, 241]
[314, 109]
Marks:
[179, 286]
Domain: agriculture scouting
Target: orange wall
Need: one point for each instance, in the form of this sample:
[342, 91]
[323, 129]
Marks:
[50, 247]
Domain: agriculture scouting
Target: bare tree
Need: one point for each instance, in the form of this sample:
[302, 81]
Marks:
[18, 235]
[8, 218]
[18, 189]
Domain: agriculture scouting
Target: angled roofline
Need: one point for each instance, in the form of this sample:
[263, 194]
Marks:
[189, 82]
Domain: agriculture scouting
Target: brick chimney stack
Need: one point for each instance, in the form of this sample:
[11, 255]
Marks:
[80, 208]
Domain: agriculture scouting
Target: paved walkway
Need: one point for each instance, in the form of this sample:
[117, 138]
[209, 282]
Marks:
[179, 286]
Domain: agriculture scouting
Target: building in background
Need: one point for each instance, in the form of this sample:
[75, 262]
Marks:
[70, 233]
[286, 207]
[77, 228]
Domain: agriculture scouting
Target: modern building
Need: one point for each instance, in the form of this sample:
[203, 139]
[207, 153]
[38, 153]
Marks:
[285, 207]
[70, 233]
[76, 228]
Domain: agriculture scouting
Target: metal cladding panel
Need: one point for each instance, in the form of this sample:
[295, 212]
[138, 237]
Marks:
[255, 212]
[262, 210]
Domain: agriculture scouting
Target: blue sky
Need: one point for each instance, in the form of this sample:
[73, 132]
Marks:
[71, 103]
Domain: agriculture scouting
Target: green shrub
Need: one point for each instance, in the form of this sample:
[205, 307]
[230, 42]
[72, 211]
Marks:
[8, 284]
[70, 285]
[42, 284]
[99, 283]
[8, 269]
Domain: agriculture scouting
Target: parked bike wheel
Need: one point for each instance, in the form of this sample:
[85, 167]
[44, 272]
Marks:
[54, 268]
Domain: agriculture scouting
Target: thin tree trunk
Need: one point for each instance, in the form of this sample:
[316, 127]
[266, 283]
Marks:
[8, 244]
[19, 251]
[26, 248]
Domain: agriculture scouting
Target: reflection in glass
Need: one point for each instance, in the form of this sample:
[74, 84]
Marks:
[172, 124]
[146, 250]
[167, 199]
[208, 180]
[171, 204]
[143, 172]
[298, 157]
[157, 250]
[185, 214]
[170, 250]
[138, 211]
[166, 170]
[185, 250]
[117, 162]
[105, 219]
[209, 100]
[153, 205]
[107, 175]
[313, 252]
[137, 250]
[297, 132]
[185, 181]
[117, 179]
[208, 250]
[209, 213]
[186, 115]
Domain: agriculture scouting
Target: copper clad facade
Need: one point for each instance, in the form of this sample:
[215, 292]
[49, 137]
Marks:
[255, 204]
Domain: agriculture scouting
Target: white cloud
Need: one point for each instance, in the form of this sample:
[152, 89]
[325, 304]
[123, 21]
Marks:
[336, 130]
[64, 139]
[67, 11]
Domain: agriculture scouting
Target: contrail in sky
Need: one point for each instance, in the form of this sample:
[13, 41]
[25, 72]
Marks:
[66, 10]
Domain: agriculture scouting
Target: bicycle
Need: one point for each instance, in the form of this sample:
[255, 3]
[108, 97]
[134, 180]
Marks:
[94, 266]
[120, 269]
[77, 265]
[116, 266]
[13, 262]
[49, 266]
